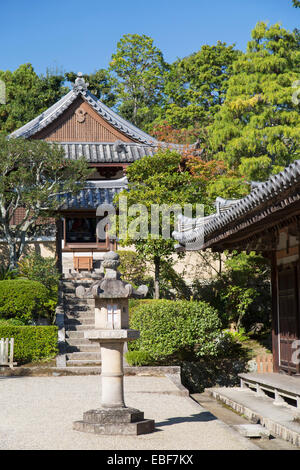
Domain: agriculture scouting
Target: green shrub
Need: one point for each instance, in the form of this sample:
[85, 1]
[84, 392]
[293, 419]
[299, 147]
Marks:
[139, 358]
[23, 299]
[180, 329]
[136, 303]
[37, 268]
[7, 273]
[31, 343]
[12, 321]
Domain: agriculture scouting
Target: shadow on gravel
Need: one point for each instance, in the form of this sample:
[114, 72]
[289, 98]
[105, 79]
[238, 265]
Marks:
[200, 417]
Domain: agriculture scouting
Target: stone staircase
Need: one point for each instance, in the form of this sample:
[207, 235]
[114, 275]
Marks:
[78, 316]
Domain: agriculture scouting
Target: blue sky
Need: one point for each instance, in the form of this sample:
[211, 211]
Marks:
[81, 35]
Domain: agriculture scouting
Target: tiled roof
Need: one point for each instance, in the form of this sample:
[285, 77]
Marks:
[96, 152]
[94, 194]
[261, 194]
[80, 89]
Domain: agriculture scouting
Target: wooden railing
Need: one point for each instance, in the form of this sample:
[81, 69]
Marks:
[7, 352]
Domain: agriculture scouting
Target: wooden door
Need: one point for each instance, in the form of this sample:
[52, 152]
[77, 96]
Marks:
[288, 316]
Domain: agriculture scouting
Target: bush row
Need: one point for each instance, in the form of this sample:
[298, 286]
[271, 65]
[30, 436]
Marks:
[31, 343]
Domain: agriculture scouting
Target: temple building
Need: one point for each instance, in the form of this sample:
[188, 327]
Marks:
[84, 126]
[266, 221]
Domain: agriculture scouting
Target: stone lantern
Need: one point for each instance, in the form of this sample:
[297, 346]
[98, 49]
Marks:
[112, 331]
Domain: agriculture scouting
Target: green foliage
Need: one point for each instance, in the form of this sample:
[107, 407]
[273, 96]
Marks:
[132, 266]
[238, 336]
[175, 330]
[23, 299]
[139, 358]
[31, 343]
[32, 175]
[27, 95]
[158, 182]
[172, 284]
[140, 67]
[12, 321]
[241, 293]
[229, 187]
[38, 268]
[257, 127]
[237, 300]
[195, 87]
[7, 273]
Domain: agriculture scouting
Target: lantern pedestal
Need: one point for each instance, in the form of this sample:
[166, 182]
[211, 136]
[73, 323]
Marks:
[115, 421]
[113, 418]
[112, 331]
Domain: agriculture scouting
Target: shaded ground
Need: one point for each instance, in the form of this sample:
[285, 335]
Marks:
[206, 373]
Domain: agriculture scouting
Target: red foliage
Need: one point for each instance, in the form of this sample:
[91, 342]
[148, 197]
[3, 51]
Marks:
[166, 133]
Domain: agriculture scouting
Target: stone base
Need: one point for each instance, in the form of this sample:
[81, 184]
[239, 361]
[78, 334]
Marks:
[115, 421]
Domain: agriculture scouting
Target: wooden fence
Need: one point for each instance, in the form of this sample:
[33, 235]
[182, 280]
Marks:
[264, 364]
[7, 352]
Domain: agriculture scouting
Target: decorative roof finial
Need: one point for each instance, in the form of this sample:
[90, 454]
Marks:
[80, 84]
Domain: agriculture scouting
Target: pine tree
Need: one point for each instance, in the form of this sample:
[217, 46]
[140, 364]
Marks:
[257, 129]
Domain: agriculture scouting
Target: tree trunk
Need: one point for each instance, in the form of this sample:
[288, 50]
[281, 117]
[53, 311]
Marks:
[13, 258]
[15, 248]
[156, 277]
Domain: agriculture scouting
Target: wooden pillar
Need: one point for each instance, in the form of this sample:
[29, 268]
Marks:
[274, 292]
[298, 292]
[58, 240]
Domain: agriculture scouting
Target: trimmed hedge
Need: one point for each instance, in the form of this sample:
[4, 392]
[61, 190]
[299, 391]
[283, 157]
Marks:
[31, 343]
[23, 299]
[181, 330]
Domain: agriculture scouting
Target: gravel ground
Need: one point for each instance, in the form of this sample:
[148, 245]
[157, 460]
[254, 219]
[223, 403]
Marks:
[37, 413]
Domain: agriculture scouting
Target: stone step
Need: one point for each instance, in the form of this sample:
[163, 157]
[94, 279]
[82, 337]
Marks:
[94, 275]
[75, 307]
[79, 321]
[85, 363]
[85, 317]
[84, 355]
[78, 370]
[79, 313]
[78, 342]
[88, 347]
[279, 419]
[77, 282]
[79, 327]
[73, 301]
[82, 317]
[252, 431]
[75, 334]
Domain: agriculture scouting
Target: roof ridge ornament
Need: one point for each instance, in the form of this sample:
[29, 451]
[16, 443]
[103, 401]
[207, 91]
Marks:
[80, 84]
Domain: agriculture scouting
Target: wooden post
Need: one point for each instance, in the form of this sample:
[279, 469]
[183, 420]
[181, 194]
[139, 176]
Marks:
[11, 355]
[58, 240]
[274, 291]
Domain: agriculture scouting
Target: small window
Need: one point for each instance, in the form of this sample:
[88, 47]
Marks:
[112, 316]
